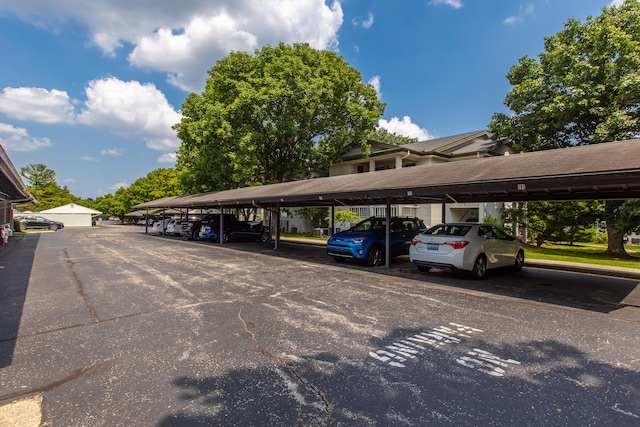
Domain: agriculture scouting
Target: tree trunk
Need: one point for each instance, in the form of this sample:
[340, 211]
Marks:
[615, 245]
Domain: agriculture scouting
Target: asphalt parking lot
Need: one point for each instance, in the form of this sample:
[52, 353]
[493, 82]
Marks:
[109, 326]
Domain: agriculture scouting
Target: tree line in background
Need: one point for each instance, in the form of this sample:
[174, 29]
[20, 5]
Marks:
[288, 112]
[42, 184]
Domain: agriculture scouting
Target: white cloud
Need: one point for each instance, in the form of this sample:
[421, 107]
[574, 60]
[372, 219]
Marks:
[184, 39]
[128, 109]
[375, 82]
[131, 109]
[510, 20]
[168, 158]
[37, 104]
[404, 127]
[18, 139]
[616, 3]
[364, 23]
[523, 12]
[114, 152]
[121, 184]
[88, 159]
[456, 4]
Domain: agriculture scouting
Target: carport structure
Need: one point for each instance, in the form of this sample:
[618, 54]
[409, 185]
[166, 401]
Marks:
[607, 171]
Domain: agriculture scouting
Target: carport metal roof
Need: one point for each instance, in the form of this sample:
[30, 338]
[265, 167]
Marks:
[11, 186]
[600, 171]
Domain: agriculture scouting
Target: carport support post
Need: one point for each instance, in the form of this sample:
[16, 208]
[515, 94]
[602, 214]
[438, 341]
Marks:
[276, 246]
[146, 222]
[387, 235]
[221, 231]
[333, 217]
[444, 210]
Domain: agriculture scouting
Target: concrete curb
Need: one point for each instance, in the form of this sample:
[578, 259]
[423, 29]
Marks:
[605, 270]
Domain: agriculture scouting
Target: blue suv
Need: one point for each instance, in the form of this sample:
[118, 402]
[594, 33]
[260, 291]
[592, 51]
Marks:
[365, 240]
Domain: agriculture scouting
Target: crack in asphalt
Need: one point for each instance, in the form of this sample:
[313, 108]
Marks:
[250, 325]
[83, 294]
[73, 375]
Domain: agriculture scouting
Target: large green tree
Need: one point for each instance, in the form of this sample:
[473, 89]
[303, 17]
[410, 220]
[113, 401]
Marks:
[583, 89]
[38, 175]
[42, 184]
[555, 221]
[383, 135]
[282, 114]
[110, 205]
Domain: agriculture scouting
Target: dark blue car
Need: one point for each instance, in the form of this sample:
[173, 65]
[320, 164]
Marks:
[235, 230]
[365, 241]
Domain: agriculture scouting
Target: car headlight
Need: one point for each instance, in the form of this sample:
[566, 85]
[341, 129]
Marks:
[359, 240]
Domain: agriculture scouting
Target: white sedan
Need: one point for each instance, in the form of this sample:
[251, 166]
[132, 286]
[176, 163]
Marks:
[160, 226]
[173, 227]
[471, 247]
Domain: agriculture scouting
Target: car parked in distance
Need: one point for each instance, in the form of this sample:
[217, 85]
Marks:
[161, 225]
[365, 241]
[191, 229]
[173, 227]
[7, 230]
[471, 247]
[35, 222]
[234, 230]
[5, 233]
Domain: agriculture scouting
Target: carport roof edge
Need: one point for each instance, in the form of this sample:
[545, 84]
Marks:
[599, 171]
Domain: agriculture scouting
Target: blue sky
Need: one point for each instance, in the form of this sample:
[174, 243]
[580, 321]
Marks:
[92, 88]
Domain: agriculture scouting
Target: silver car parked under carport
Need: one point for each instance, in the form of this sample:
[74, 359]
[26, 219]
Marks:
[472, 247]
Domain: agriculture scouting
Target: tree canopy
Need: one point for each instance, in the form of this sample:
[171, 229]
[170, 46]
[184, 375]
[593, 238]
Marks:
[155, 185]
[282, 114]
[38, 175]
[583, 89]
[42, 184]
[382, 135]
[555, 221]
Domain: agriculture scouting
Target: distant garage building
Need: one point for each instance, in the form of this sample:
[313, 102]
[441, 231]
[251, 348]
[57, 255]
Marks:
[71, 215]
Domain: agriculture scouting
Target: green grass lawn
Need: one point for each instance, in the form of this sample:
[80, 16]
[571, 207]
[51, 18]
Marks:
[590, 253]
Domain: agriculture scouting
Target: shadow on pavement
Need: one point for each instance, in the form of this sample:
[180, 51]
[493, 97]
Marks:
[567, 288]
[16, 262]
[446, 377]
